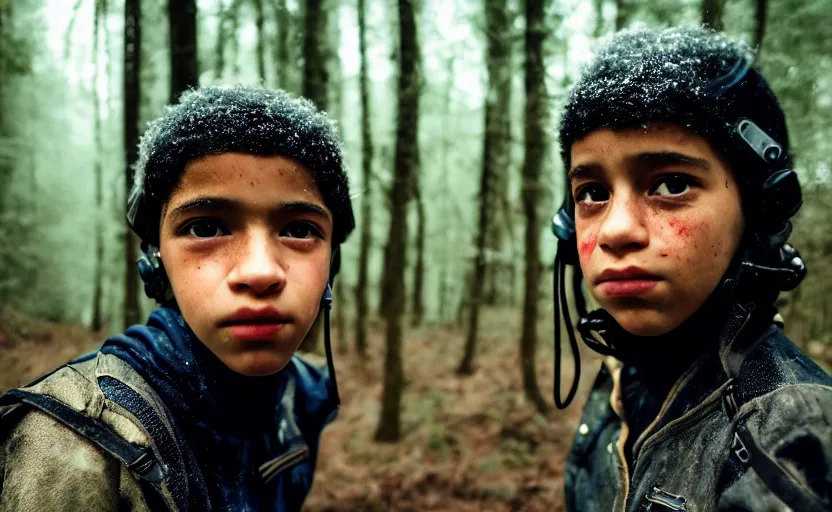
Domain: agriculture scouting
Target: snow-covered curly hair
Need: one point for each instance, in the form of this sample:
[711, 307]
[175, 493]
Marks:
[214, 120]
[692, 77]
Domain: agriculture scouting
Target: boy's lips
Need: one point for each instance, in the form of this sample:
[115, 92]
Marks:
[255, 324]
[627, 281]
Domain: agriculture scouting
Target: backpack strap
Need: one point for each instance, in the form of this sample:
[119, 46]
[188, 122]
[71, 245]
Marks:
[772, 473]
[138, 459]
[93, 379]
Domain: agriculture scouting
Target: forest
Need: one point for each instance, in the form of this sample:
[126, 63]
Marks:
[442, 314]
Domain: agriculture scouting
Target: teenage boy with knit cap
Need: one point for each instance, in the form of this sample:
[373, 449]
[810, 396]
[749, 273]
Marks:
[679, 195]
[241, 201]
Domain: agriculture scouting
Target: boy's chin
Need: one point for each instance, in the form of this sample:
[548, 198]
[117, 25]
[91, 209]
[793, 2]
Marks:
[258, 363]
[644, 323]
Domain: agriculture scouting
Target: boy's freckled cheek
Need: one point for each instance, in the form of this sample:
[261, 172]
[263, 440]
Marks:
[681, 228]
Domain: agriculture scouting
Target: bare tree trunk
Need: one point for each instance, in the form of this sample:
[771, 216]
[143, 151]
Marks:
[494, 160]
[599, 18]
[222, 37]
[233, 37]
[362, 308]
[407, 157]
[535, 118]
[315, 75]
[99, 12]
[282, 50]
[340, 317]
[184, 68]
[447, 257]
[418, 307]
[315, 88]
[760, 16]
[261, 40]
[621, 14]
[132, 95]
[712, 14]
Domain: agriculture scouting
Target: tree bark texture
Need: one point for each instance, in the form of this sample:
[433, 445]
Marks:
[315, 75]
[282, 44]
[184, 69]
[418, 306]
[535, 142]
[259, 21]
[761, 17]
[132, 97]
[96, 324]
[494, 162]
[406, 159]
[362, 307]
[712, 11]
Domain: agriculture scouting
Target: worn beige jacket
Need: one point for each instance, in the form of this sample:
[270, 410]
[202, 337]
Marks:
[45, 465]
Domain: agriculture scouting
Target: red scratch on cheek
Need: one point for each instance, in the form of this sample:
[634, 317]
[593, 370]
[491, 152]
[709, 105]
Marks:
[680, 228]
[586, 247]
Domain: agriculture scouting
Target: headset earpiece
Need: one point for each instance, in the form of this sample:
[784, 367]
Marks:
[781, 196]
[563, 227]
[326, 301]
[153, 274]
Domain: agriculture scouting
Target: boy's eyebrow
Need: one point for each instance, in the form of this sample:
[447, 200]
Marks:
[671, 158]
[584, 170]
[224, 203]
[304, 207]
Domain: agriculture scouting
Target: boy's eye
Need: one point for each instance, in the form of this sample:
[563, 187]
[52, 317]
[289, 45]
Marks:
[671, 186]
[206, 228]
[592, 193]
[301, 230]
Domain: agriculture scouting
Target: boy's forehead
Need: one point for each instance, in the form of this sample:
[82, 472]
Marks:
[649, 137]
[247, 178]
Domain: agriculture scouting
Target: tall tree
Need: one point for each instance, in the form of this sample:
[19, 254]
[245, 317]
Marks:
[315, 73]
[283, 63]
[316, 88]
[223, 21]
[535, 147]
[599, 18]
[132, 98]
[712, 11]
[184, 68]
[418, 306]
[259, 21]
[362, 308]
[621, 14]
[495, 150]
[99, 12]
[395, 262]
[760, 17]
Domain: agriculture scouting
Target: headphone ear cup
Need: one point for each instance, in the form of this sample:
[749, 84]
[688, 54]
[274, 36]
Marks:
[563, 228]
[153, 274]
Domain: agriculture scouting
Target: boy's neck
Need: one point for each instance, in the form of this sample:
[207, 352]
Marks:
[236, 401]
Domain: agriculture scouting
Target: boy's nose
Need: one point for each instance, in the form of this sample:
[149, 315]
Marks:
[623, 229]
[258, 270]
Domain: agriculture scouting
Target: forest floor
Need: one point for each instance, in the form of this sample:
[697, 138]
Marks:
[468, 444]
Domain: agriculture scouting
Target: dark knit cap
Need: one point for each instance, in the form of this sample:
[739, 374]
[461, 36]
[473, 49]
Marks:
[214, 120]
[691, 77]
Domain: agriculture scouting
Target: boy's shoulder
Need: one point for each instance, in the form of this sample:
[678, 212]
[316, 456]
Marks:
[312, 387]
[98, 407]
[776, 362]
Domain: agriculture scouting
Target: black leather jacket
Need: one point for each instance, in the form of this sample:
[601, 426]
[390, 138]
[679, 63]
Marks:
[688, 454]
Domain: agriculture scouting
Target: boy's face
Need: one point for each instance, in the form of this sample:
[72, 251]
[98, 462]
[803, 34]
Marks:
[246, 244]
[658, 219]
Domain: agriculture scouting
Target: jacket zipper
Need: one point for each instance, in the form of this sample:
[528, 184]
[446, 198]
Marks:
[271, 469]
